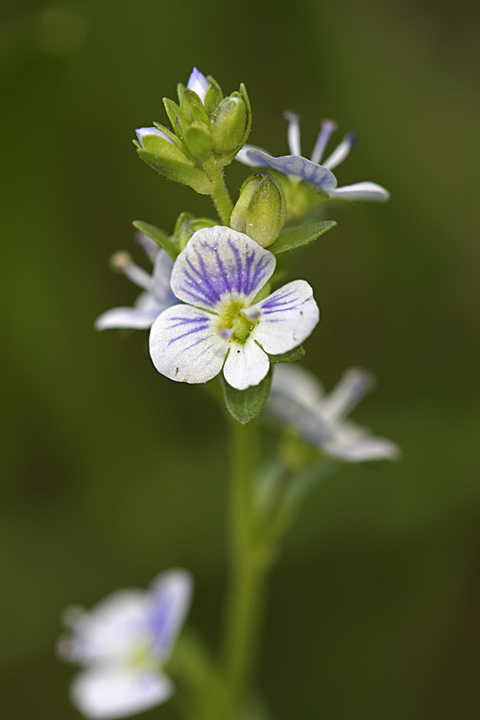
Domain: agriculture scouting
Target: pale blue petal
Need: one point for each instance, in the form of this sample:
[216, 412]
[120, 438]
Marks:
[198, 83]
[219, 264]
[162, 271]
[362, 449]
[114, 692]
[245, 365]
[360, 191]
[293, 381]
[296, 415]
[126, 317]
[149, 246]
[347, 393]
[242, 155]
[185, 345]
[287, 318]
[170, 600]
[295, 166]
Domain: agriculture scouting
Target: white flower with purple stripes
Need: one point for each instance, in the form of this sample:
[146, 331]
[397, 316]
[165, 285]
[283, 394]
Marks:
[157, 294]
[319, 175]
[298, 400]
[219, 276]
[123, 643]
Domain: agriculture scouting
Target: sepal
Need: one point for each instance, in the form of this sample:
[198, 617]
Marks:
[186, 225]
[178, 169]
[245, 405]
[160, 236]
[297, 235]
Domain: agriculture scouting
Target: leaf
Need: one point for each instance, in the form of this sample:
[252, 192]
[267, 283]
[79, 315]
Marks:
[179, 171]
[246, 405]
[158, 235]
[288, 357]
[298, 235]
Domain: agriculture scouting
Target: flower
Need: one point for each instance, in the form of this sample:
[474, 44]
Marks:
[157, 295]
[298, 168]
[219, 275]
[123, 643]
[198, 83]
[297, 399]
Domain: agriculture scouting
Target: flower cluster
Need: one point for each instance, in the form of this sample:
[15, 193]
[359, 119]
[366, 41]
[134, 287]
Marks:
[123, 643]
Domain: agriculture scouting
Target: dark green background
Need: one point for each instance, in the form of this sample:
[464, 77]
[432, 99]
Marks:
[112, 473]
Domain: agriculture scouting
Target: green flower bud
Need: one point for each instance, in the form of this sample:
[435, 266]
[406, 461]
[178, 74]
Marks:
[185, 226]
[260, 209]
[229, 125]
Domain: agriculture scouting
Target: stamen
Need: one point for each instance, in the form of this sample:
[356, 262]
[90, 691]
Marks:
[293, 132]
[327, 128]
[121, 262]
[252, 313]
[226, 333]
[340, 152]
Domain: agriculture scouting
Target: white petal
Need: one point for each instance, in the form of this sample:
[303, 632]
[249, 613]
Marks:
[305, 419]
[162, 272]
[347, 393]
[340, 152]
[198, 83]
[368, 191]
[110, 630]
[293, 381]
[117, 693]
[149, 246]
[219, 263]
[245, 365]
[243, 157]
[126, 317]
[295, 166]
[170, 600]
[185, 345]
[288, 317]
[143, 132]
[364, 449]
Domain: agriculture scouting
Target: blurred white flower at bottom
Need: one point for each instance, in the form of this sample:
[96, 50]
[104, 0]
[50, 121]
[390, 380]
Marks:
[297, 399]
[123, 643]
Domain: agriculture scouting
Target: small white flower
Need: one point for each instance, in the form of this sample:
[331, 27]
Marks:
[123, 643]
[298, 399]
[299, 168]
[157, 295]
[198, 83]
[218, 275]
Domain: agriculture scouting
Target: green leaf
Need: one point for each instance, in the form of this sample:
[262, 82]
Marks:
[288, 357]
[298, 235]
[158, 235]
[179, 171]
[245, 405]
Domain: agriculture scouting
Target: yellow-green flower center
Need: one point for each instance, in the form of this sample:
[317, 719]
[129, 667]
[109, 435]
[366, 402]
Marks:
[231, 318]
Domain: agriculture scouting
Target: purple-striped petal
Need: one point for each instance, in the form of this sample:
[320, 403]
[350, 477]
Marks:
[287, 318]
[295, 166]
[126, 317]
[185, 345]
[369, 191]
[243, 155]
[115, 692]
[245, 365]
[170, 599]
[220, 264]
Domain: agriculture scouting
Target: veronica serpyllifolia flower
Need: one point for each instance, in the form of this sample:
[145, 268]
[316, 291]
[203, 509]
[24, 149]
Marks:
[314, 171]
[298, 400]
[222, 326]
[122, 644]
[157, 294]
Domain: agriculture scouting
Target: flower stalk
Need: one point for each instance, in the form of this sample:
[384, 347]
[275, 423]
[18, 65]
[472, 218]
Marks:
[220, 195]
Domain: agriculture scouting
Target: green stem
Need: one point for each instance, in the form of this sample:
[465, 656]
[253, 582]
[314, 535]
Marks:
[247, 570]
[220, 196]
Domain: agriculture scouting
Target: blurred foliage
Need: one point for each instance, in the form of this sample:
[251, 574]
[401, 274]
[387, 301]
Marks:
[112, 473]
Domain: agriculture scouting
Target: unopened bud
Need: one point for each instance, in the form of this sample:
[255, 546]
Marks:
[186, 226]
[260, 209]
[230, 124]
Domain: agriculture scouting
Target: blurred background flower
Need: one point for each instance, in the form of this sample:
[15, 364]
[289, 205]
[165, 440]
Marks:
[377, 595]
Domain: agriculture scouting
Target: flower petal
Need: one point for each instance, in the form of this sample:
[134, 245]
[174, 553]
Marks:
[347, 393]
[126, 317]
[293, 381]
[149, 246]
[245, 365]
[296, 166]
[219, 262]
[288, 316]
[363, 449]
[198, 83]
[117, 692]
[360, 191]
[185, 346]
[143, 132]
[295, 414]
[243, 157]
[170, 600]
[162, 271]
[107, 632]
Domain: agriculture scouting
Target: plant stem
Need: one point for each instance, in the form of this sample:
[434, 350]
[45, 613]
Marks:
[220, 196]
[247, 572]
